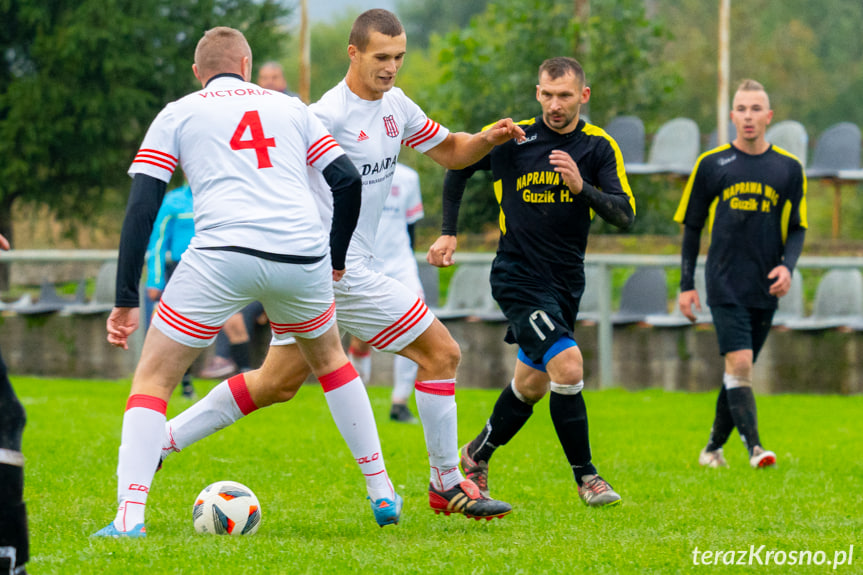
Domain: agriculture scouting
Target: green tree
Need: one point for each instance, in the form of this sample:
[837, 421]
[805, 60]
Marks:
[488, 70]
[424, 18]
[81, 82]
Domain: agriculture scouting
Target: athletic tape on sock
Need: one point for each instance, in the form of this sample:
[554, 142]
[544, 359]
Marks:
[519, 396]
[733, 381]
[567, 389]
[10, 457]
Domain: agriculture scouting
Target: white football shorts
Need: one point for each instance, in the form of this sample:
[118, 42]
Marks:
[378, 309]
[209, 286]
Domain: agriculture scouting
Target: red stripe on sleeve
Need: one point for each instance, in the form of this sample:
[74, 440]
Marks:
[147, 402]
[241, 394]
[336, 379]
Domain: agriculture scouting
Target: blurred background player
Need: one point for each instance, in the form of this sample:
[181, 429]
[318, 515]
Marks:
[394, 257]
[271, 76]
[755, 197]
[537, 276]
[14, 535]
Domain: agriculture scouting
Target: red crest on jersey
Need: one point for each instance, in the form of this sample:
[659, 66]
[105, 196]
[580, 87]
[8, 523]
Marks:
[390, 126]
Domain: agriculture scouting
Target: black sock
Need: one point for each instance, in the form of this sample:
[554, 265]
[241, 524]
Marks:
[741, 402]
[509, 415]
[723, 423]
[569, 415]
[240, 355]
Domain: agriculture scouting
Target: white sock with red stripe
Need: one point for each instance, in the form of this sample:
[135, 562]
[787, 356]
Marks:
[437, 411]
[362, 362]
[224, 405]
[351, 410]
[143, 426]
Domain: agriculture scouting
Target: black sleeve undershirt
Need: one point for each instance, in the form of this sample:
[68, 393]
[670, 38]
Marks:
[613, 208]
[145, 198]
[453, 189]
[793, 247]
[689, 257]
[347, 187]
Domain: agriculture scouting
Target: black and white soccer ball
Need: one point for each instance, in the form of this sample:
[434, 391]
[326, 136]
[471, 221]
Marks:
[226, 508]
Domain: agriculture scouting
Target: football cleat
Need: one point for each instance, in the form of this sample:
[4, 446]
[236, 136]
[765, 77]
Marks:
[713, 459]
[387, 511]
[596, 492]
[466, 499]
[476, 471]
[110, 531]
[400, 413]
[762, 458]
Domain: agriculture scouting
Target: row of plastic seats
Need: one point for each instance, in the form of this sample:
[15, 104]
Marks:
[644, 299]
[49, 301]
[676, 146]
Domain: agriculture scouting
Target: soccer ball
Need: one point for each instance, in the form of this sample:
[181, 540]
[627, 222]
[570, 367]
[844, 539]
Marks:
[226, 508]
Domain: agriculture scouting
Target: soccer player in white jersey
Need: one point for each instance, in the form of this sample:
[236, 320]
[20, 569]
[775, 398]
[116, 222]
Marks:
[394, 257]
[371, 120]
[258, 236]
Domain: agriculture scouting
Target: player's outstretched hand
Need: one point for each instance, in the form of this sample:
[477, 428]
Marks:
[503, 131]
[4, 243]
[440, 253]
[338, 274]
[122, 322]
[781, 277]
[686, 300]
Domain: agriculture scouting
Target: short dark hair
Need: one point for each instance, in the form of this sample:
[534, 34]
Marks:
[561, 66]
[374, 20]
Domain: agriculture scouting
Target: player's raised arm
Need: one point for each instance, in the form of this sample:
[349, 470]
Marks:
[461, 149]
[441, 252]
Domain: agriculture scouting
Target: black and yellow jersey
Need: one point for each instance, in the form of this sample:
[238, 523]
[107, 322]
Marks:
[750, 204]
[542, 222]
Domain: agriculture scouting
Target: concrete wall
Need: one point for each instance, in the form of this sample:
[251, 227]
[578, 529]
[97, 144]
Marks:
[674, 359]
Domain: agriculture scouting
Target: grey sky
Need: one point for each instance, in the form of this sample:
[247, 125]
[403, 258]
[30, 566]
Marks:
[323, 9]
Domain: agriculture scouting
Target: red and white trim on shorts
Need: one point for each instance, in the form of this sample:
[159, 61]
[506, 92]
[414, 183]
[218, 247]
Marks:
[305, 326]
[147, 402]
[184, 325]
[401, 326]
[335, 379]
[436, 387]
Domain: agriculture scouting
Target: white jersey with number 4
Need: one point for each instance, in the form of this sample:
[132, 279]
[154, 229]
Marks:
[372, 133]
[244, 151]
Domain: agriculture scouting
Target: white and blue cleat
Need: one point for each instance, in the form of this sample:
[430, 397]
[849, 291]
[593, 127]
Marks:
[110, 531]
[387, 511]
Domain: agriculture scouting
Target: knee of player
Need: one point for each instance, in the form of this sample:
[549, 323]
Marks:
[568, 374]
[445, 356]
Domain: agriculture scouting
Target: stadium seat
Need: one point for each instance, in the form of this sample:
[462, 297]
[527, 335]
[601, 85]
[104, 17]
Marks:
[674, 150]
[791, 304]
[838, 148]
[103, 297]
[48, 302]
[430, 279]
[628, 132]
[676, 317]
[469, 294]
[644, 293]
[712, 139]
[791, 136]
[588, 307]
[838, 303]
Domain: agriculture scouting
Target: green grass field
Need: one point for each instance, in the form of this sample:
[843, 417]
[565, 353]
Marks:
[315, 518]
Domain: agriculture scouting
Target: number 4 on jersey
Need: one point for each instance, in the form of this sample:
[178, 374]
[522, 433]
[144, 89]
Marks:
[258, 141]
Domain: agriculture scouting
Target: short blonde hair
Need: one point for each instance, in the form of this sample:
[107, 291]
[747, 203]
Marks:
[750, 85]
[221, 49]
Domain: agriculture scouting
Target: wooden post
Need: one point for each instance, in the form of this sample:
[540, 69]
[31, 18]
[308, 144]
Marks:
[837, 207]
